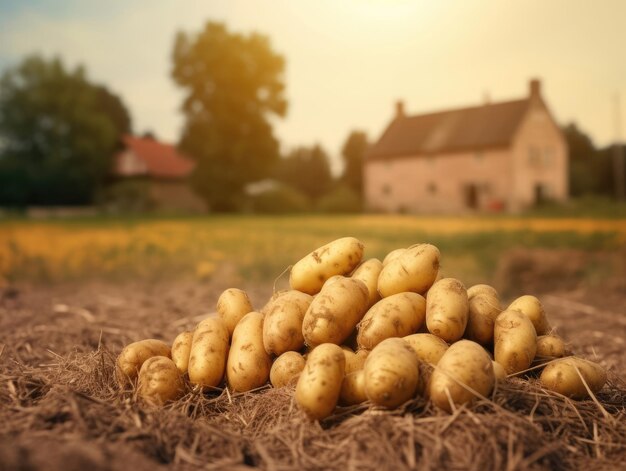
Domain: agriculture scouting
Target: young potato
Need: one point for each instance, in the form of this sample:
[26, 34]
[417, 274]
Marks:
[338, 257]
[282, 327]
[134, 355]
[482, 312]
[428, 347]
[354, 362]
[368, 273]
[498, 371]
[395, 316]
[160, 381]
[515, 341]
[464, 365]
[562, 376]
[248, 365]
[232, 305]
[391, 373]
[482, 289]
[447, 309]
[391, 256]
[286, 368]
[415, 270]
[209, 350]
[353, 389]
[550, 346]
[319, 385]
[533, 309]
[335, 312]
[181, 348]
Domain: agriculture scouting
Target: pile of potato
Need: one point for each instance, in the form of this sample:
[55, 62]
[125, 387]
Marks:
[350, 331]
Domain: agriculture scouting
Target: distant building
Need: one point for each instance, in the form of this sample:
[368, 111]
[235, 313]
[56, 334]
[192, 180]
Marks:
[164, 170]
[498, 156]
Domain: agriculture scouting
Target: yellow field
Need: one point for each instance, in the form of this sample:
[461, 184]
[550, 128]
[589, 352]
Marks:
[258, 247]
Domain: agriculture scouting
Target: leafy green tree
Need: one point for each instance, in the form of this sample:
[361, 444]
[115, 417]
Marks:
[233, 84]
[56, 142]
[307, 169]
[113, 106]
[583, 171]
[353, 152]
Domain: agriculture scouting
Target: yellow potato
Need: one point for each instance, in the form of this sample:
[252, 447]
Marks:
[481, 289]
[465, 369]
[248, 365]
[428, 347]
[482, 312]
[564, 377]
[286, 369]
[336, 258]
[282, 327]
[134, 355]
[395, 316]
[447, 309]
[160, 381]
[533, 309]
[368, 273]
[335, 312]
[391, 256]
[353, 389]
[414, 270]
[209, 350]
[498, 371]
[391, 373]
[515, 341]
[319, 385]
[354, 362]
[550, 346]
[232, 305]
[181, 348]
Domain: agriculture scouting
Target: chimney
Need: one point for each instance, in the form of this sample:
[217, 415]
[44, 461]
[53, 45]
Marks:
[535, 88]
[400, 109]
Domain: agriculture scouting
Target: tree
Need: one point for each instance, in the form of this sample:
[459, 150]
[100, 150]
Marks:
[353, 153]
[306, 169]
[583, 172]
[113, 106]
[57, 143]
[233, 84]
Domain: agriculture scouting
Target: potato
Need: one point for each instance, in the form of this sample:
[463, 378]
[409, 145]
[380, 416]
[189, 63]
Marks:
[181, 349]
[498, 370]
[428, 347]
[465, 365]
[160, 381]
[368, 273]
[353, 389]
[391, 373]
[232, 305]
[319, 385]
[482, 312]
[447, 309]
[248, 365]
[335, 312]
[335, 258]
[533, 309]
[134, 355]
[515, 341]
[286, 368]
[282, 327]
[395, 316]
[562, 376]
[481, 289]
[209, 350]
[414, 270]
[550, 346]
[354, 362]
[391, 256]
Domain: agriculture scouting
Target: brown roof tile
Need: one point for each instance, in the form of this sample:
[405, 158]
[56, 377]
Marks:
[161, 160]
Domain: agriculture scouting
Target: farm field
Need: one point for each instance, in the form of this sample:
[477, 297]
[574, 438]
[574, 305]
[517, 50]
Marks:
[74, 292]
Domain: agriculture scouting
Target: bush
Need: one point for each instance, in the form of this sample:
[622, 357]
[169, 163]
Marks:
[127, 197]
[281, 199]
[342, 199]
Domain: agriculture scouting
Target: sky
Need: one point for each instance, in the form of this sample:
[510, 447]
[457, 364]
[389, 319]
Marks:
[348, 61]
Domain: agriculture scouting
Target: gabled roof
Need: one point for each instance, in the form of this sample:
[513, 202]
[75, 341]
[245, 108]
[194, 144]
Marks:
[479, 127]
[157, 158]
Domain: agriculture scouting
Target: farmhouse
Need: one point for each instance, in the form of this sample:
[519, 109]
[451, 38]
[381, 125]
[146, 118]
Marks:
[161, 169]
[497, 156]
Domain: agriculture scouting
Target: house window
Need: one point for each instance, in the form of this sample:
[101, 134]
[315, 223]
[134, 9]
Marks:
[548, 157]
[386, 189]
[534, 156]
[478, 157]
[432, 188]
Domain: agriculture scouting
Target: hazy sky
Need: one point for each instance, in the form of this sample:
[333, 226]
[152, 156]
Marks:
[348, 61]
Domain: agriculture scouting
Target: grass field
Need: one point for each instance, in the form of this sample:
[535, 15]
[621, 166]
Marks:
[259, 248]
